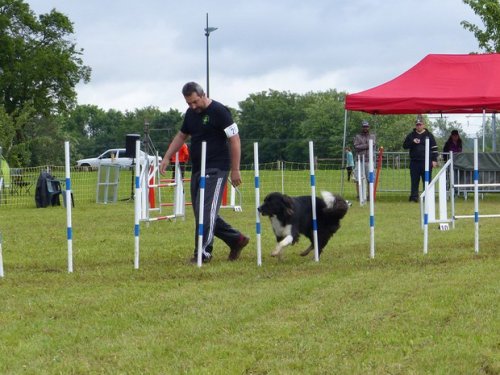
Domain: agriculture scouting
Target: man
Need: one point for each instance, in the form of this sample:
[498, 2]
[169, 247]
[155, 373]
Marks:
[210, 121]
[361, 147]
[415, 142]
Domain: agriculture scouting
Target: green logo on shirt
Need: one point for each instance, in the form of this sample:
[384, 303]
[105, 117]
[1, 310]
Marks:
[205, 120]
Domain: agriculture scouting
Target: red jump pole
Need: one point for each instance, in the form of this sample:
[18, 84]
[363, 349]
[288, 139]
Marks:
[224, 196]
[151, 192]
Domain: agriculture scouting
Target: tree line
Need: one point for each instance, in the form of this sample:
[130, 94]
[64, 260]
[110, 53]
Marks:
[40, 66]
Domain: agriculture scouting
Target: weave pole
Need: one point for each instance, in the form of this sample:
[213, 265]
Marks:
[69, 229]
[372, 198]
[426, 196]
[257, 201]
[476, 196]
[137, 203]
[1, 257]
[313, 201]
[202, 201]
[359, 182]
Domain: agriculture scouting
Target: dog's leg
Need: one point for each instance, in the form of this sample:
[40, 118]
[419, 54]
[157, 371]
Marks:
[307, 251]
[281, 245]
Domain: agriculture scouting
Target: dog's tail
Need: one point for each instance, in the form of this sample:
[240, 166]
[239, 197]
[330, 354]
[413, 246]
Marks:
[335, 204]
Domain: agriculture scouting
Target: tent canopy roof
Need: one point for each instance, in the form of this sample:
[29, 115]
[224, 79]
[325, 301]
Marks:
[437, 84]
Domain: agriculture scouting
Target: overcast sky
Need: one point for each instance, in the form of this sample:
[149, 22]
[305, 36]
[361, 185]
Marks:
[142, 52]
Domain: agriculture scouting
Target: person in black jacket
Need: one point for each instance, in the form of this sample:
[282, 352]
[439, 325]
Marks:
[415, 142]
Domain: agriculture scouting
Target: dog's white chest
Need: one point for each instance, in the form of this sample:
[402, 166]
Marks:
[279, 229]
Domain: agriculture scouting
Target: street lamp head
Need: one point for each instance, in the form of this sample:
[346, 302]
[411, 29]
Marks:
[208, 30]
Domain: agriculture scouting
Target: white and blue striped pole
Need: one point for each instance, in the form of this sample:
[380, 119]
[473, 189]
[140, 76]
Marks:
[202, 201]
[137, 203]
[359, 180]
[476, 197]
[1, 257]
[257, 201]
[313, 201]
[371, 180]
[69, 229]
[426, 196]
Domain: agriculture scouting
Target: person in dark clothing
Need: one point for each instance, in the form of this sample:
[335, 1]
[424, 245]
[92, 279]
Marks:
[415, 143]
[183, 155]
[210, 121]
[349, 162]
[361, 143]
[453, 144]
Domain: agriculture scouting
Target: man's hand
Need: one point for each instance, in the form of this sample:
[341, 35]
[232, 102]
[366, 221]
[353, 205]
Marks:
[164, 165]
[235, 178]
[179, 139]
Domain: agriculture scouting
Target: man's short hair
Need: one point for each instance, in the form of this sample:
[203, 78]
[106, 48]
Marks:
[192, 87]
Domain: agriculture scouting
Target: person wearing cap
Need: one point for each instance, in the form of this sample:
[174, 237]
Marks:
[361, 147]
[415, 143]
[453, 144]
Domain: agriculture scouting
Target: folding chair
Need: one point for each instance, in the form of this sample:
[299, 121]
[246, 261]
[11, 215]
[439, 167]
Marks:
[53, 191]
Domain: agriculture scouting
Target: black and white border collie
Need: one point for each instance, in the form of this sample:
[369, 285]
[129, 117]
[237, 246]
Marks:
[292, 216]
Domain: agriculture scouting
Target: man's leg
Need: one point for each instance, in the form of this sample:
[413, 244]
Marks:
[195, 198]
[215, 181]
[226, 232]
[232, 237]
[422, 175]
[222, 230]
[208, 214]
[213, 224]
[415, 180]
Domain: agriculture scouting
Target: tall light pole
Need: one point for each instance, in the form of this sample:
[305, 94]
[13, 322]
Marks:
[208, 30]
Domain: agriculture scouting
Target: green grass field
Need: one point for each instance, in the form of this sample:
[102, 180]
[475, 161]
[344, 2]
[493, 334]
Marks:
[401, 313]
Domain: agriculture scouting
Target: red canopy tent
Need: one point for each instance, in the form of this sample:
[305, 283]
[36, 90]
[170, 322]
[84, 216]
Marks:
[437, 84]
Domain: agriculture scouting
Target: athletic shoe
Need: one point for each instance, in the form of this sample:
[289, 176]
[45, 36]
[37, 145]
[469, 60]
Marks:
[413, 199]
[236, 250]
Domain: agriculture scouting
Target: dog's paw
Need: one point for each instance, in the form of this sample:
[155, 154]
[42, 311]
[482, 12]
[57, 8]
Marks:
[276, 252]
[306, 251]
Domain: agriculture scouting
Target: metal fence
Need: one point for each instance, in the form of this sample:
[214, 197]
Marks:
[289, 177]
[20, 184]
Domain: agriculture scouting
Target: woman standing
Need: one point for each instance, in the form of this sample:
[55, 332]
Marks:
[453, 144]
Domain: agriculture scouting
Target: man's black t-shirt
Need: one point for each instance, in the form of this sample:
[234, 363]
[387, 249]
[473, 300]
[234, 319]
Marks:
[209, 126]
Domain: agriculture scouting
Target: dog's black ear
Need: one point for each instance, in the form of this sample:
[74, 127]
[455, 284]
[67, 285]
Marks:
[288, 204]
